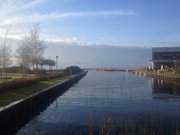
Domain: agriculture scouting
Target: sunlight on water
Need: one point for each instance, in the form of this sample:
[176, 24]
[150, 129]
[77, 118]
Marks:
[112, 102]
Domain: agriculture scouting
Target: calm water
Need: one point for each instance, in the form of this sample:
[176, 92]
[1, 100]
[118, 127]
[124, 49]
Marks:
[104, 102]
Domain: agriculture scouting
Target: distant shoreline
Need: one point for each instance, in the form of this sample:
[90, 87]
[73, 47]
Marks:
[111, 70]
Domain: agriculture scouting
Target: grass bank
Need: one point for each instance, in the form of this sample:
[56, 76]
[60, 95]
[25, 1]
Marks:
[13, 94]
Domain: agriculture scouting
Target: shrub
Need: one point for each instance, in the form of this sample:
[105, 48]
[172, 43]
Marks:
[15, 84]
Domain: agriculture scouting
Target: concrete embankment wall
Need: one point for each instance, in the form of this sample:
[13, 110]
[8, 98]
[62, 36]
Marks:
[13, 117]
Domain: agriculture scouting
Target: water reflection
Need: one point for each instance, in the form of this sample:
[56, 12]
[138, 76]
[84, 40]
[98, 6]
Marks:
[165, 88]
[111, 104]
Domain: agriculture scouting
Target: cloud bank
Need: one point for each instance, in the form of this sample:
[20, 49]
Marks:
[16, 15]
[37, 17]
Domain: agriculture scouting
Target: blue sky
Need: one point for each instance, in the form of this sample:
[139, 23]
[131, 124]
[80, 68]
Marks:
[95, 22]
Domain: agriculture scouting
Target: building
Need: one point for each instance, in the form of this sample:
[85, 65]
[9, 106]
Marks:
[165, 57]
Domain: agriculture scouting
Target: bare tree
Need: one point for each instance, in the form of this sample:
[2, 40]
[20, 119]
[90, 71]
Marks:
[31, 51]
[24, 55]
[36, 46]
[5, 54]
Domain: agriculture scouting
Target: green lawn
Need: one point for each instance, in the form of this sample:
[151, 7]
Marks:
[16, 94]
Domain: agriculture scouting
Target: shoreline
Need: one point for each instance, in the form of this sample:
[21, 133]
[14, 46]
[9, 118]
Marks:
[164, 75]
[159, 74]
[15, 115]
[19, 89]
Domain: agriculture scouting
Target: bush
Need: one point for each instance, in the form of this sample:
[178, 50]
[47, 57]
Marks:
[16, 84]
[51, 76]
[21, 83]
[17, 69]
[73, 69]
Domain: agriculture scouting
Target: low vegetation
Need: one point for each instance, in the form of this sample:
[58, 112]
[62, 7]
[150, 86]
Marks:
[19, 86]
[32, 71]
[14, 90]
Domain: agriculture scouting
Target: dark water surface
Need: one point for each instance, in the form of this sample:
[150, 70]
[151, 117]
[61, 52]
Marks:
[111, 102]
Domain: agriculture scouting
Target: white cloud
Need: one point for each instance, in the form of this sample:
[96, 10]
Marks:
[19, 21]
[33, 3]
[60, 38]
[36, 17]
[16, 15]
[14, 7]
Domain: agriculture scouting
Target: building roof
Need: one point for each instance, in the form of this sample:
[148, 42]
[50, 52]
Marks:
[166, 49]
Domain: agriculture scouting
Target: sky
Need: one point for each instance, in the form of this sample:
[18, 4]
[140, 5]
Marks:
[133, 23]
